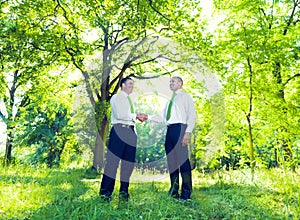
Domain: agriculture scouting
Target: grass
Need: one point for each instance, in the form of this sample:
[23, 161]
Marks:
[39, 193]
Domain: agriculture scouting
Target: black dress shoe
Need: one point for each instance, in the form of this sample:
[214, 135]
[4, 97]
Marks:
[174, 195]
[184, 198]
[105, 198]
[123, 196]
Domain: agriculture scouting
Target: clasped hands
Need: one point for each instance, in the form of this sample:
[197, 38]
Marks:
[142, 117]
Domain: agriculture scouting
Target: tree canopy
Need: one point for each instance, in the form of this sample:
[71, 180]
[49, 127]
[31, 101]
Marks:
[253, 53]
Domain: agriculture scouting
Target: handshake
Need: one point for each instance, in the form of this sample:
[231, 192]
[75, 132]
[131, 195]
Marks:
[142, 117]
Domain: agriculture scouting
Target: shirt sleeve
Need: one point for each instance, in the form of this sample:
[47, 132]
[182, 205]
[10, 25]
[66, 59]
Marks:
[155, 118]
[190, 113]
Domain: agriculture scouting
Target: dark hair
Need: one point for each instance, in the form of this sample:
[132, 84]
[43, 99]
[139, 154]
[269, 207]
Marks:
[178, 78]
[124, 80]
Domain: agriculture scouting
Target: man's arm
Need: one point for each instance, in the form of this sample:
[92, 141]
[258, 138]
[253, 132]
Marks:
[191, 114]
[191, 117]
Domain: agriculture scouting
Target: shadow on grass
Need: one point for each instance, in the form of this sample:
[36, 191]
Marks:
[150, 201]
[79, 200]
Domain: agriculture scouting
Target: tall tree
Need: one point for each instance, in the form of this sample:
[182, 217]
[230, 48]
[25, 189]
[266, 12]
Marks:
[261, 36]
[125, 34]
[22, 57]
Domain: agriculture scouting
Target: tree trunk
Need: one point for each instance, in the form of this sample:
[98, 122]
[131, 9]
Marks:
[8, 149]
[252, 159]
[276, 157]
[284, 142]
[248, 116]
[54, 156]
[99, 150]
[51, 157]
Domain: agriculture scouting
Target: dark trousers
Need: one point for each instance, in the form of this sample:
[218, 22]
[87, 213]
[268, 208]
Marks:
[121, 146]
[178, 161]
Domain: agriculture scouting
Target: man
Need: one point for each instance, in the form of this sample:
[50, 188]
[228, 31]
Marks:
[122, 142]
[180, 117]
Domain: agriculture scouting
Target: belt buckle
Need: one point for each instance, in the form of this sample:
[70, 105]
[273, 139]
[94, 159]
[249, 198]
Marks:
[125, 126]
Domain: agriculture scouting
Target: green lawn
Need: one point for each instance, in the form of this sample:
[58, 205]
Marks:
[32, 193]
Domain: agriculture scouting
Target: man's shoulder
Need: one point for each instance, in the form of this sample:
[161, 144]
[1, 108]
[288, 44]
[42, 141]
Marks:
[116, 96]
[187, 97]
[184, 93]
[119, 94]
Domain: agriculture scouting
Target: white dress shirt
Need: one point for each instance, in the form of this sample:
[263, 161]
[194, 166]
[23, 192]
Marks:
[121, 109]
[182, 111]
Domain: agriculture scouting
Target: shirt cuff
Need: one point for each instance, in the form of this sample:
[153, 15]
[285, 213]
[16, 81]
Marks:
[155, 118]
[133, 117]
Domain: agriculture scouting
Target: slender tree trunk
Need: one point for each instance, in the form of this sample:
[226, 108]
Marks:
[10, 119]
[248, 116]
[283, 141]
[276, 157]
[54, 155]
[8, 148]
[51, 157]
[60, 151]
[252, 159]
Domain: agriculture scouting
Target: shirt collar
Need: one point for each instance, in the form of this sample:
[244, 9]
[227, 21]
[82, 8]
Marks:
[124, 93]
[178, 91]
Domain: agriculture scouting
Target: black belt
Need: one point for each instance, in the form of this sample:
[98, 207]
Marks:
[175, 125]
[124, 125]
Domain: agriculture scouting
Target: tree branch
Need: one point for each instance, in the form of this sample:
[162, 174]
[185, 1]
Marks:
[59, 5]
[265, 15]
[25, 101]
[85, 75]
[158, 12]
[126, 65]
[293, 77]
[156, 76]
[117, 33]
[291, 18]
[118, 78]
[2, 117]
[119, 43]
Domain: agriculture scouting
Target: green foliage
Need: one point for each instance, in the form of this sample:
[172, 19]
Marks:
[150, 153]
[27, 47]
[46, 131]
[45, 127]
[254, 52]
[257, 42]
[40, 193]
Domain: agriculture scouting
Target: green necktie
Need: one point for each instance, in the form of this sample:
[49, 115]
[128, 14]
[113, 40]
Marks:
[131, 105]
[170, 106]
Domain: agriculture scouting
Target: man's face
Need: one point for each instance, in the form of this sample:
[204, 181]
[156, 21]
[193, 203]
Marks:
[175, 84]
[128, 86]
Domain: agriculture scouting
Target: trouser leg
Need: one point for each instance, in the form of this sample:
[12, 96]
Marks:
[174, 178]
[185, 171]
[177, 157]
[115, 146]
[172, 164]
[186, 176]
[127, 166]
[107, 186]
[127, 163]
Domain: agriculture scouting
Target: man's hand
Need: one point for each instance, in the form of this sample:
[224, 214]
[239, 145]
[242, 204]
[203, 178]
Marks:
[185, 140]
[142, 117]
